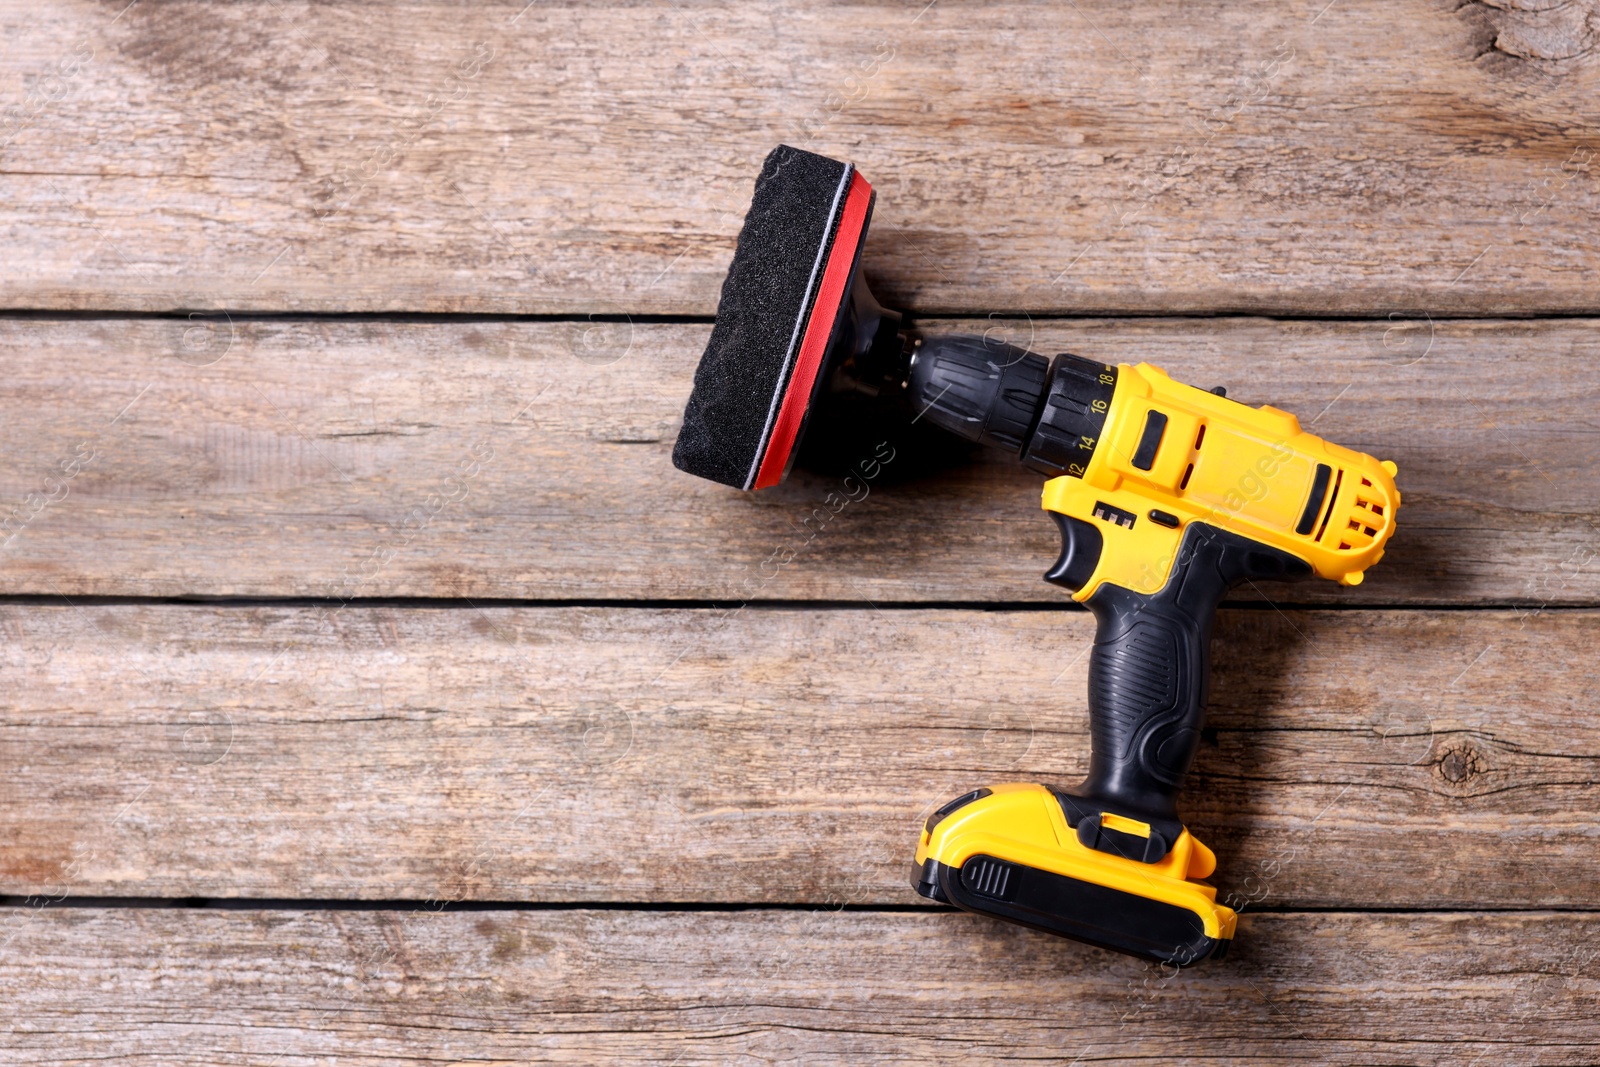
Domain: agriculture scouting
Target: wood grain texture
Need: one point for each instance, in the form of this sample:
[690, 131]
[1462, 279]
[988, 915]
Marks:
[589, 163]
[532, 460]
[1357, 759]
[583, 157]
[368, 988]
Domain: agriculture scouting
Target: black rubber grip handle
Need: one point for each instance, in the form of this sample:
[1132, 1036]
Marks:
[1149, 674]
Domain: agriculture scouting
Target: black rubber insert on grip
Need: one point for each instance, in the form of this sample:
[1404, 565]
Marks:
[1155, 425]
[1148, 682]
[1319, 490]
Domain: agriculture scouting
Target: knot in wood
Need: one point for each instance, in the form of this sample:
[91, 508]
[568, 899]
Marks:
[1459, 763]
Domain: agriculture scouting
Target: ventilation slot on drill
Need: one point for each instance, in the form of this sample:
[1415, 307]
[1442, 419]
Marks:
[1365, 521]
[1188, 472]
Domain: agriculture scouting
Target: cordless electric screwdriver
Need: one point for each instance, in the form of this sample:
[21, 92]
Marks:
[1166, 497]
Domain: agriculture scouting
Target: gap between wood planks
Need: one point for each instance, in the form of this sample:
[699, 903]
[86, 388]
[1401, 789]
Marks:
[914, 320]
[41, 902]
[773, 604]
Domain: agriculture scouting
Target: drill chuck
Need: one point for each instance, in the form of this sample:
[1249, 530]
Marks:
[1048, 413]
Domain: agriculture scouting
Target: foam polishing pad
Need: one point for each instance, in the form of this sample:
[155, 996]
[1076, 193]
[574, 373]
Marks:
[782, 305]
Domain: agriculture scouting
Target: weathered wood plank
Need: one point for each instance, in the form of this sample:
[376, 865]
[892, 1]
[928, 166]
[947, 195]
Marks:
[488, 460]
[367, 988]
[1390, 759]
[569, 158]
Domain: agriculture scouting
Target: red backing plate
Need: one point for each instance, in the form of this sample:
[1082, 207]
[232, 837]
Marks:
[835, 277]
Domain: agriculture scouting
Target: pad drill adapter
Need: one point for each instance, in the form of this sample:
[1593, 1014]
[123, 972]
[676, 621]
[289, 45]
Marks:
[1166, 497]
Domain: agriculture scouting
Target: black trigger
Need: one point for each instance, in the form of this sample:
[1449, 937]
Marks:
[1080, 552]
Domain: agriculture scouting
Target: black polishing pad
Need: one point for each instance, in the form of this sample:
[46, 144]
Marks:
[780, 308]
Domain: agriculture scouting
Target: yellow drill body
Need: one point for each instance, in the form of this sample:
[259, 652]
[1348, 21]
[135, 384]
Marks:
[1248, 470]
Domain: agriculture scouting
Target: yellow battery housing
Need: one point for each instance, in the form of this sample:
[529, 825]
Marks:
[1022, 825]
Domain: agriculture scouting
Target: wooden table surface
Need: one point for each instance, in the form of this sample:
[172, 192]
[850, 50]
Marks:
[375, 691]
